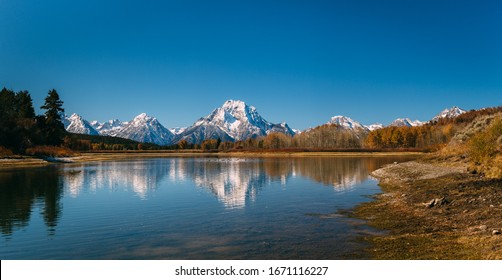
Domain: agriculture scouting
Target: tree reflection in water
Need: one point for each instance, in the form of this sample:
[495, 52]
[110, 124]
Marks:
[234, 181]
[25, 189]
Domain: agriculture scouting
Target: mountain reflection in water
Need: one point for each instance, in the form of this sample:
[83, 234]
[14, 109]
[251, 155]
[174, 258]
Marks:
[231, 180]
[235, 182]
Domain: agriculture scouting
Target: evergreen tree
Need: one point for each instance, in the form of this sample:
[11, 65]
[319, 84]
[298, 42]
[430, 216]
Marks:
[25, 103]
[7, 104]
[7, 118]
[54, 128]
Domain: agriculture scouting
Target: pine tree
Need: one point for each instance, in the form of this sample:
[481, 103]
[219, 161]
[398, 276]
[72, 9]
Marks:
[54, 128]
[7, 118]
[26, 110]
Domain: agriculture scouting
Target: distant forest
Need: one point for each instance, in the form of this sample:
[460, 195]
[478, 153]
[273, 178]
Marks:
[23, 132]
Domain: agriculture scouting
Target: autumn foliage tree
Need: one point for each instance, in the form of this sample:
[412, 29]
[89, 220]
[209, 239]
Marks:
[330, 136]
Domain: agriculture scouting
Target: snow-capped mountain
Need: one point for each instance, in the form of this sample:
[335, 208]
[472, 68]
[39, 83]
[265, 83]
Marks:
[350, 124]
[405, 122]
[449, 113]
[374, 126]
[234, 121]
[109, 128]
[346, 123]
[144, 128]
[76, 124]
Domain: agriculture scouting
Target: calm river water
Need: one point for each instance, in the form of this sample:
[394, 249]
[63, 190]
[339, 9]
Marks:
[188, 208]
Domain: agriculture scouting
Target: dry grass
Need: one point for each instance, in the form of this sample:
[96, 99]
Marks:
[49, 151]
[21, 162]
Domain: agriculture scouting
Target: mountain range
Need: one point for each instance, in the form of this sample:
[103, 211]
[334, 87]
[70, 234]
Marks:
[233, 121]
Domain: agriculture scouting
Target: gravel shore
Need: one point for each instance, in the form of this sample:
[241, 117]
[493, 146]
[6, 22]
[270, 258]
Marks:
[435, 212]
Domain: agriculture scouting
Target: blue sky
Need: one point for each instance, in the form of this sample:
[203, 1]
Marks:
[295, 61]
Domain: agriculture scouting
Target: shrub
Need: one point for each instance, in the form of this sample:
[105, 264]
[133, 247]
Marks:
[4, 152]
[49, 151]
[485, 149]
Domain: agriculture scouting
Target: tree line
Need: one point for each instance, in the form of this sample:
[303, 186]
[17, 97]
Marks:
[21, 129]
[324, 137]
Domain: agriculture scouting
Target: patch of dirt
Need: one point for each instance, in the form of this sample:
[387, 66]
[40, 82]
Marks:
[412, 171]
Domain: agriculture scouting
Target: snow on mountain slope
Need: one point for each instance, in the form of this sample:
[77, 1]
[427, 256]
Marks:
[406, 122]
[65, 120]
[374, 126]
[198, 133]
[177, 130]
[346, 123]
[350, 124]
[109, 128]
[449, 113]
[234, 121]
[76, 124]
[144, 128]
[296, 131]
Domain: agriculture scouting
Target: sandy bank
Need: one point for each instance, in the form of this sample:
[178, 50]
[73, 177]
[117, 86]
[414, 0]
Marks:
[105, 156]
[21, 162]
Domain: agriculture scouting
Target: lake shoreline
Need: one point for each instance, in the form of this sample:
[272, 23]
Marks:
[26, 161]
[432, 211]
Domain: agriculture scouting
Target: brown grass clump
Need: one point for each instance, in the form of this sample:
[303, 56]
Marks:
[49, 151]
[4, 152]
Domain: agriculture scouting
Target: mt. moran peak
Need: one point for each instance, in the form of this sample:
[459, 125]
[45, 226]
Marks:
[233, 121]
